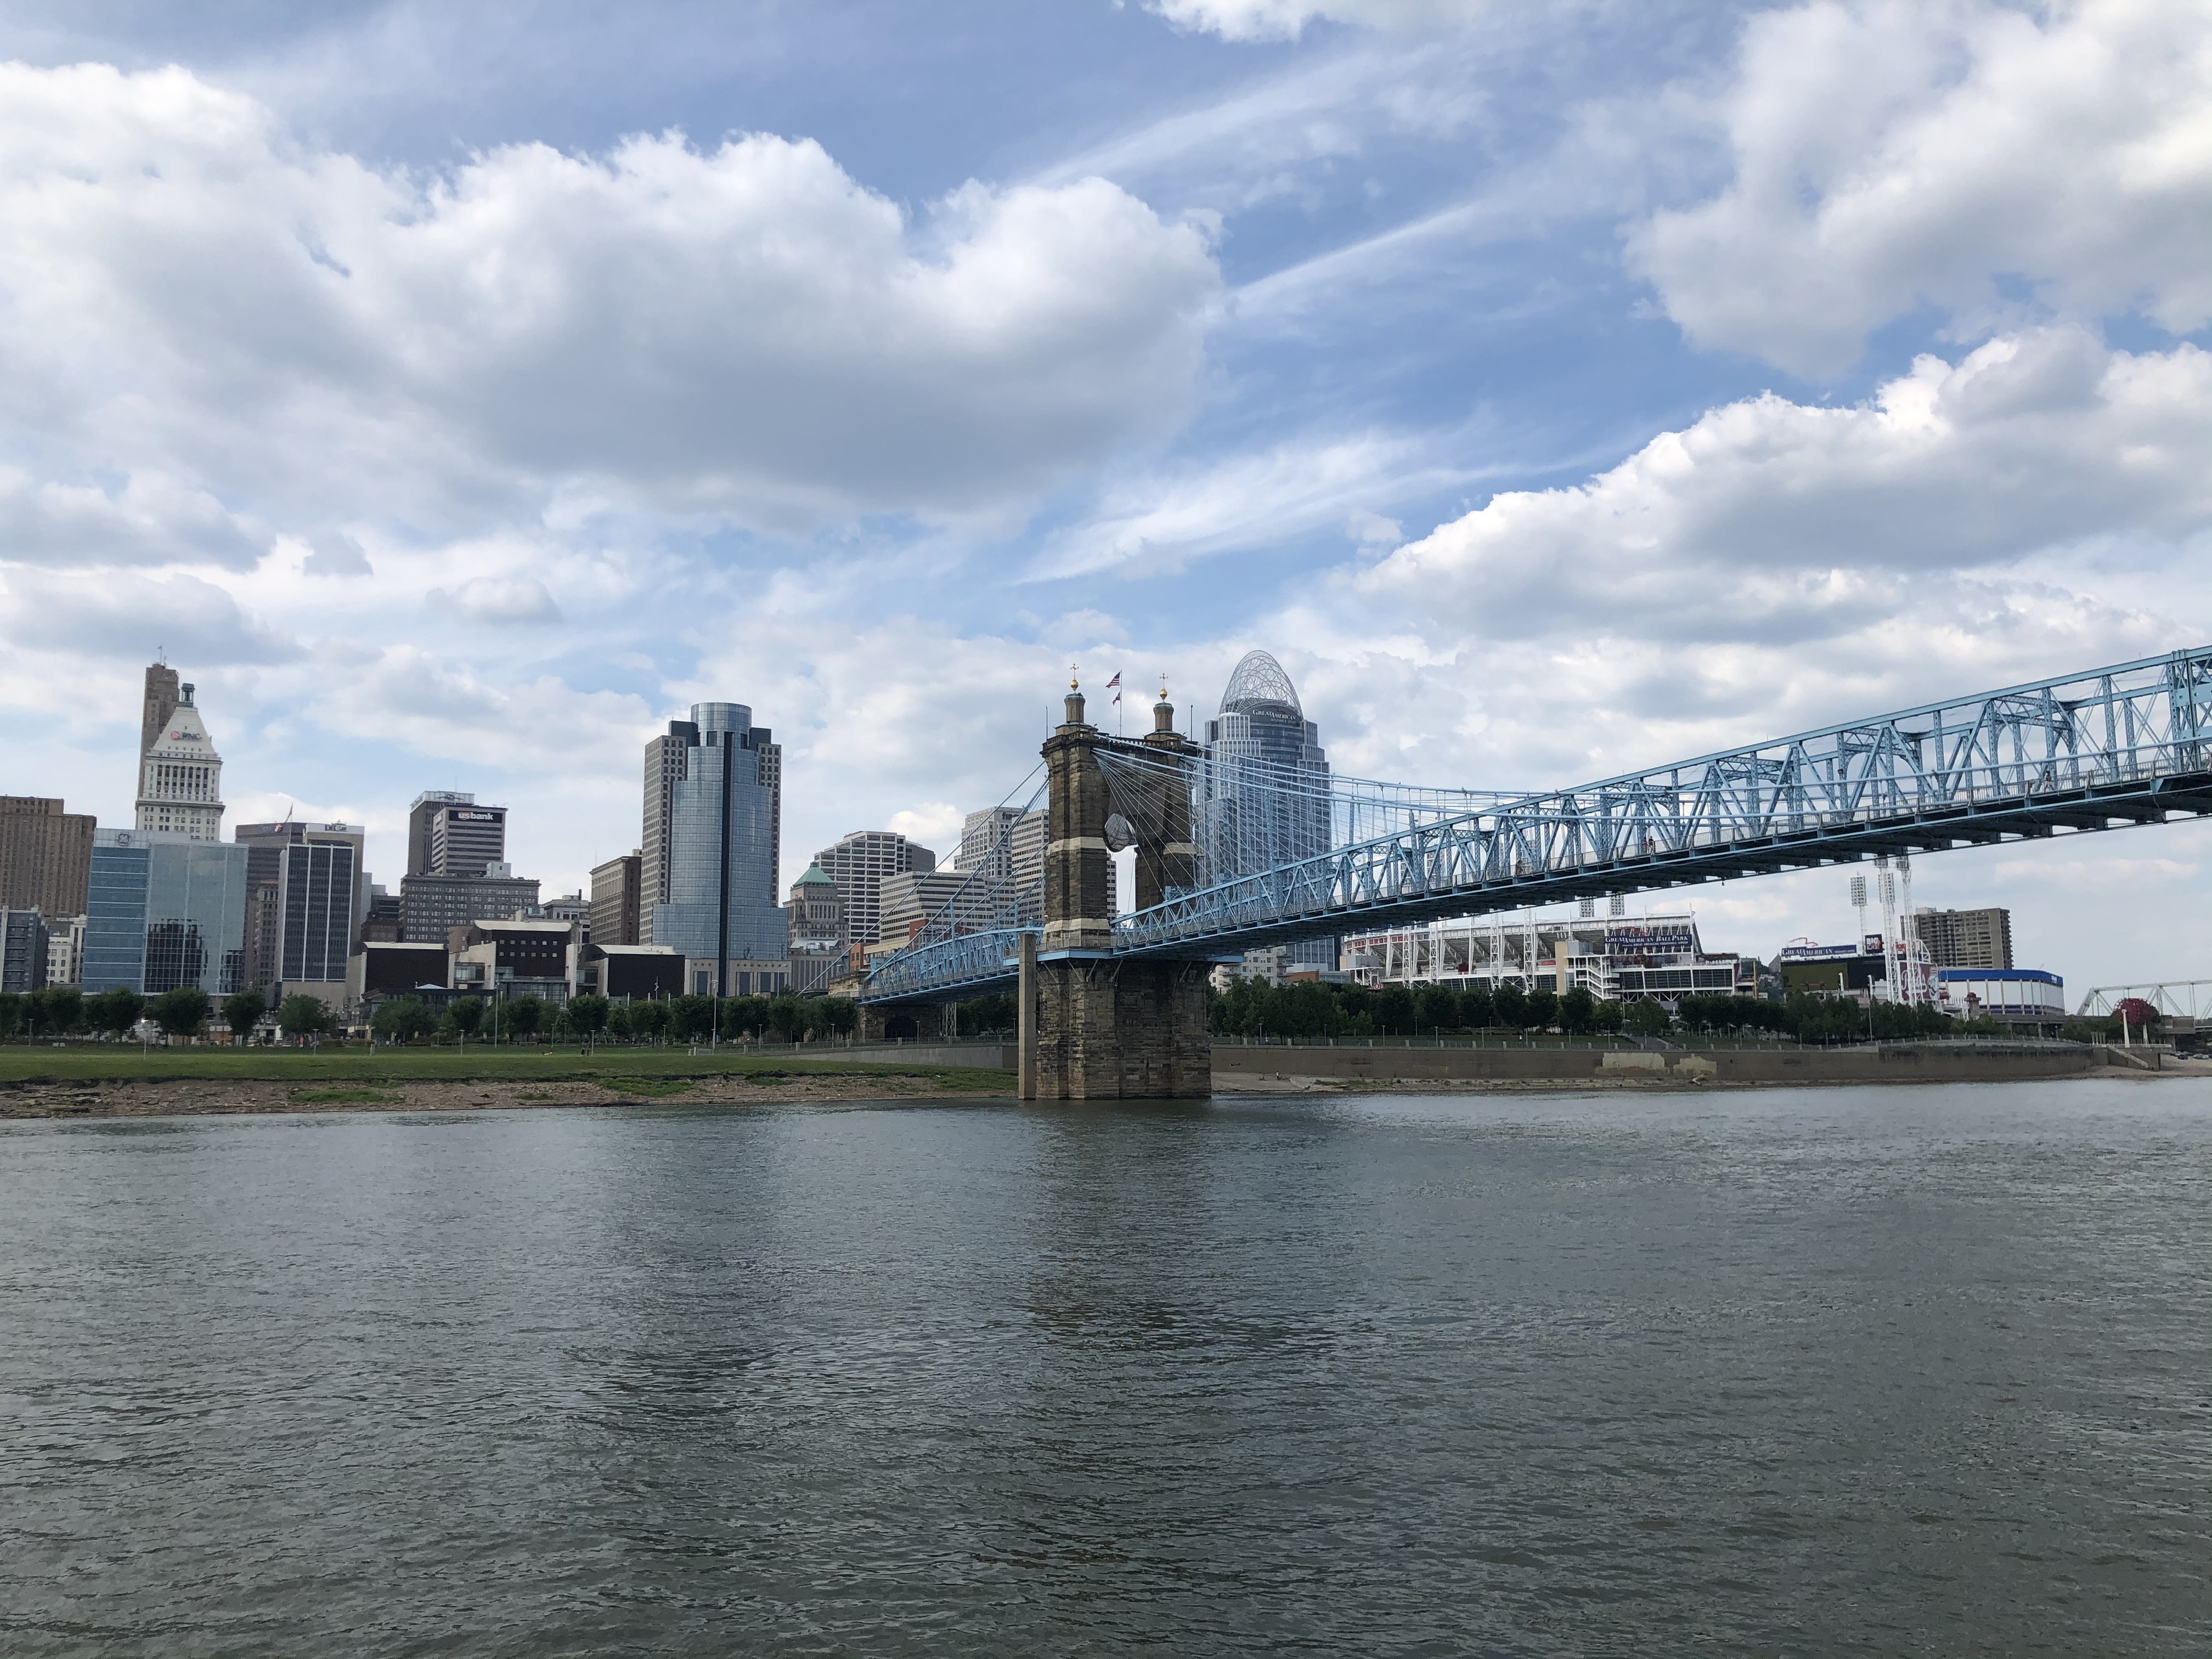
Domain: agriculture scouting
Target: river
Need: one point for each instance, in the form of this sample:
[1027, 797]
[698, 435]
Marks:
[1914, 1370]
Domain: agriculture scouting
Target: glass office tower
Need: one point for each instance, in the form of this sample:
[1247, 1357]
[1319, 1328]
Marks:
[721, 838]
[1266, 794]
[164, 910]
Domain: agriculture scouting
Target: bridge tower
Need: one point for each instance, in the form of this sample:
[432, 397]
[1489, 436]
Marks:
[1096, 1027]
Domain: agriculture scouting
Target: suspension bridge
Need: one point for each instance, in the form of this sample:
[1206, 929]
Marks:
[1234, 851]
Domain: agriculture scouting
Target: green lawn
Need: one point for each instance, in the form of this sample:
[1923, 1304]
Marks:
[647, 1067]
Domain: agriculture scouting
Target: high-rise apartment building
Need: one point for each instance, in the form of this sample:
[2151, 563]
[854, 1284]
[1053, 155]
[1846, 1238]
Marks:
[306, 892]
[1967, 938]
[165, 909]
[1265, 799]
[179, 774]
[449, 834]
[45, 856]
[858, 864]
[615, 887]
[666, 762]
[717, 843]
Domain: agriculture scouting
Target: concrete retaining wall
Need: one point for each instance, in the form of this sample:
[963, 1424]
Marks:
[1897, 1062]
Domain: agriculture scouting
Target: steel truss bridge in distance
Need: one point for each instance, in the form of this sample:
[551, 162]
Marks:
[2118, 746]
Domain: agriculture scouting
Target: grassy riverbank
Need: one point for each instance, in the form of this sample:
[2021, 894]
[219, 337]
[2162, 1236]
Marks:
[614, 1066]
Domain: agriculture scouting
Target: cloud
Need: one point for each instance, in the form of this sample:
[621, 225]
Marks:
[1285, 19]
[337, 554]
[498, 599]
[149, 519]
[1151, 523]
[1768, 520]
[122, 616]
[1998, 162]
[742, 331]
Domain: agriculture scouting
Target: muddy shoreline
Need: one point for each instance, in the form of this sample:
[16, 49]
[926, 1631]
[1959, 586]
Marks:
[215, 1098]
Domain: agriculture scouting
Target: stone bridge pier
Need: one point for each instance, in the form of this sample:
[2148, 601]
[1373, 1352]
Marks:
[1093, 1026]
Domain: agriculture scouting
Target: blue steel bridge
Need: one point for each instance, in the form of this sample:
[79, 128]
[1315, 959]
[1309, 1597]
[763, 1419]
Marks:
[2128, 744]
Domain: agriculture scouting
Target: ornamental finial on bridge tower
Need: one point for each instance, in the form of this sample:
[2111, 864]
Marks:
[1074, 698]
[1164, 711]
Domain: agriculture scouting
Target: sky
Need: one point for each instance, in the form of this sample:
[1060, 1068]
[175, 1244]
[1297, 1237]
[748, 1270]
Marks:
[455, 394]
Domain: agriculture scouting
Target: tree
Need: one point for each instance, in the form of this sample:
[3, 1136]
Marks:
[242, 1012]
[618, 1022]
[302, 1015]
[1436, 1007]
[182, 1011]
[1577, 1011]
[402, 1019]
[11, 1013]
[1543, 1008]
[1478, 1008]
[1394, 1010]
[1510, 1004]
[117, 1011]
[690, 1018]
[521, 1016]
[649, 1019]
[54, 1008]
[467, 1015]
[587, 1014]
[1645, 1017]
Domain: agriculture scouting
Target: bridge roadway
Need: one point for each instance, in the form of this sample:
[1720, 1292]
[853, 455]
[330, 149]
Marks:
[2126, 745]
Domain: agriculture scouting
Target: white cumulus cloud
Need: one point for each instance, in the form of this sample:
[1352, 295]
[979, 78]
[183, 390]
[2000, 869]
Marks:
[1996, 161]
[188, 290]
[1769, 519]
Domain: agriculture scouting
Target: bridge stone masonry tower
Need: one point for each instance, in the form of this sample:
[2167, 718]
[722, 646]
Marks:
[1095, 1026]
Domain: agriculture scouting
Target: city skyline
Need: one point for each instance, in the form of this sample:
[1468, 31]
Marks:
[1552, 390]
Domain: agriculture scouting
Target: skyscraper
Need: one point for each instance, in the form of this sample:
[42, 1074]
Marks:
[449, 834]
[858, 864]
[179, 774]
[306, 890]
[718, 840]
[666, 760]
[45, 856]
[165, 910]
[1265, 798]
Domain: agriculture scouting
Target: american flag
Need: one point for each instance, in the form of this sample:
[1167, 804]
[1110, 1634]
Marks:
[1114, 686]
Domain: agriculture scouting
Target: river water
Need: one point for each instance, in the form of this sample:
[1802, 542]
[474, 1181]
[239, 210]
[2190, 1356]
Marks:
[1914, 1370]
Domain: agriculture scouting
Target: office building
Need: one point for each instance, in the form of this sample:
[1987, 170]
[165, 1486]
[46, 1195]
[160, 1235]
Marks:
[46, 855]
[913, 896]
[630, 973]
[1265, 802]
[179, 774]
[859, 864]
[430, 907]
[380, 921]
[614, 889]
[305, 894]
[667, 761]
[985, 838]
[816, 913]
[65, 947]
[22, 951]
[165, 910]
[718, 850]
[510, 958]
[569, 906]
[1967, 938]
[449, 834]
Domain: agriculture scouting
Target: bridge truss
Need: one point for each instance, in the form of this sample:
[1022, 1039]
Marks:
[2128, 744]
